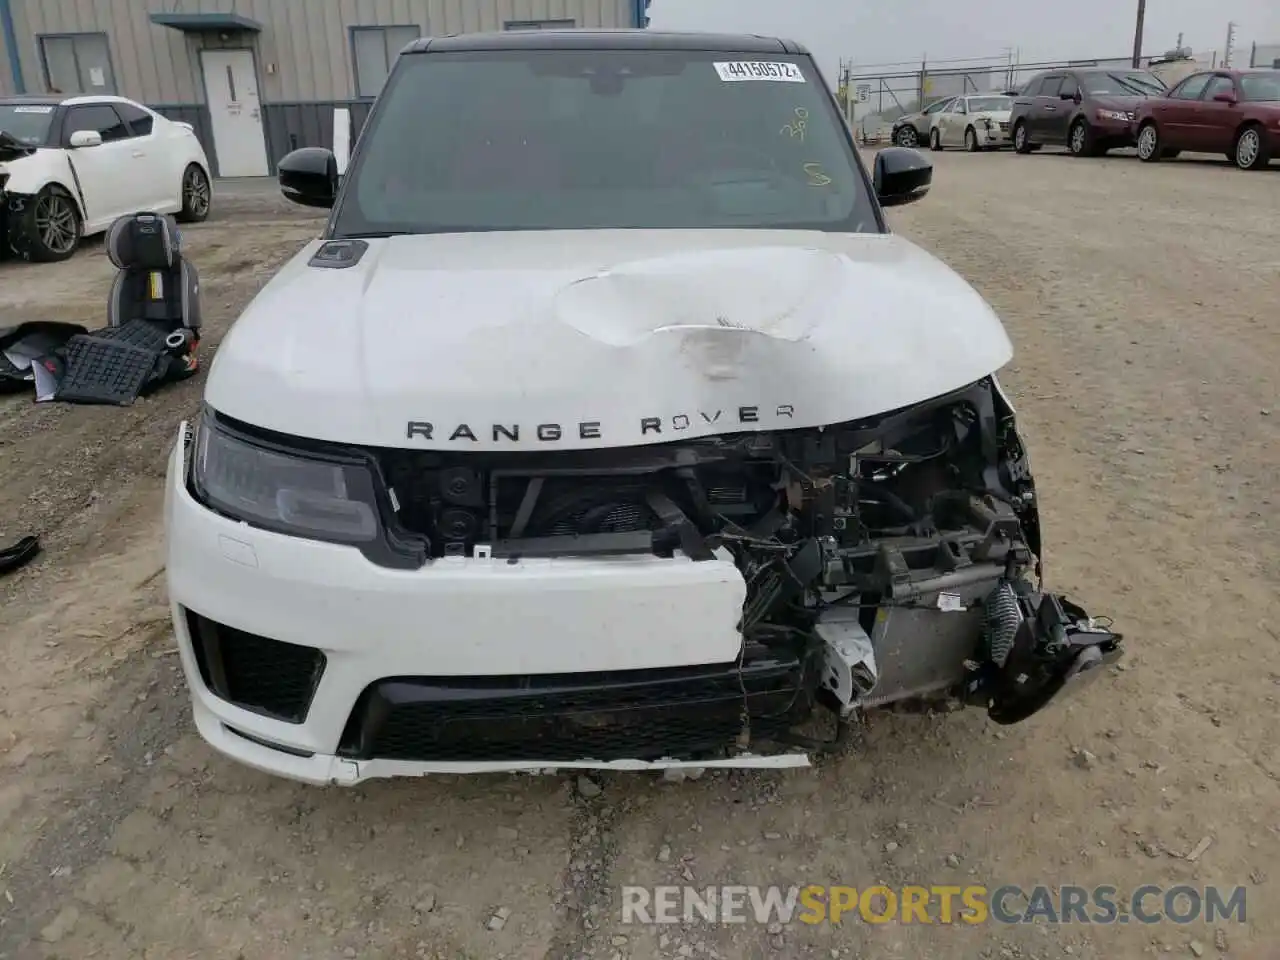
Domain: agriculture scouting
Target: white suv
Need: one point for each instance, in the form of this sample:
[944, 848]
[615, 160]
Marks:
[607, 425]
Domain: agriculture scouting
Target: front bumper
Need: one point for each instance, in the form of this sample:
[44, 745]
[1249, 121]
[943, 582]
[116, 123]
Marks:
[288, 646]
[998, 136]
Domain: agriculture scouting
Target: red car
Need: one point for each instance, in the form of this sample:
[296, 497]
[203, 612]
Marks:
[1233, 112]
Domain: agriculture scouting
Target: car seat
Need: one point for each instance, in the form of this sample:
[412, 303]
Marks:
[154, 281]
[153, 318]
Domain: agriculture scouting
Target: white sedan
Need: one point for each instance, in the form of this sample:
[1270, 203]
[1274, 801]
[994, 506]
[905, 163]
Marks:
[975, 123]
[69, 166]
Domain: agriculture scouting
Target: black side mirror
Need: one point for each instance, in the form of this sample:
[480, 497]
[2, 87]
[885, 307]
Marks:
[901, 175]
[309, 176]
[1073, 97]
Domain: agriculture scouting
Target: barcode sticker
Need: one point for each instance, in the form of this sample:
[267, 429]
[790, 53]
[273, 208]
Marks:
[779, 71]
[950, 602]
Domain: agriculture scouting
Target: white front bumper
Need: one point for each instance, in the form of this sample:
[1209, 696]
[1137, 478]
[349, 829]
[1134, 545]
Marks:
[454, 617]
[995, 137]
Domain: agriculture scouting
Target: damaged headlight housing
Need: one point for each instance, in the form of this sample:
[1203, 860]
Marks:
[290, 492]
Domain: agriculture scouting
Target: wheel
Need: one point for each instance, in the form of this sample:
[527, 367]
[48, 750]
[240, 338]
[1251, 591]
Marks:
[1251, 151]
[935, 139]
[1080, 141]
[1149, 149]
[907, 136]
[196, 195]
[48, 230]
[971, 140]
[1021, 142]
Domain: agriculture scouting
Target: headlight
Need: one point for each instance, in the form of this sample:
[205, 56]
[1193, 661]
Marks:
[1114, 115]
[291, 493]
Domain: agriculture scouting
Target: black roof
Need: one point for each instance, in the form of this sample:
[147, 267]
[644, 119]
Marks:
[35, 100]
[578, 39]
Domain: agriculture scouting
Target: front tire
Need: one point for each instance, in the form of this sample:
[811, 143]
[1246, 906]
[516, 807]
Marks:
[1252, 150]
[48, 231]
[907, 137]
[197, 195]
[1080, 139]
[971, 140]
[1021, 140]
[1149, 148]
[935, 140]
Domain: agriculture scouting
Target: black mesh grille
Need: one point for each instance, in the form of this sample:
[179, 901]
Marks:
[257, 673]
[646, 715]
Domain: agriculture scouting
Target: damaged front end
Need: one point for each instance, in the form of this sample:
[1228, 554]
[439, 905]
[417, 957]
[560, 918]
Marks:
[891, 560]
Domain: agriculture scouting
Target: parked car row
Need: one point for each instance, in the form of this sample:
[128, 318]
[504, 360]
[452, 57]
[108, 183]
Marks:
[1090, 111]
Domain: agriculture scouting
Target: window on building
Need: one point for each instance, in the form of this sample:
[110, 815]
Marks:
[375, 50]
[539, 24]
[77, 63]
[101, 117]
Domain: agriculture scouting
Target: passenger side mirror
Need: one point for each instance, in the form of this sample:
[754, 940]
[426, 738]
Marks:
[1226, 96]
[901, 175]
[309, 176]
[86, 138]
[1074, 97]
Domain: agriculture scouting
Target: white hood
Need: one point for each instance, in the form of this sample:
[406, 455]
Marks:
[600, 338]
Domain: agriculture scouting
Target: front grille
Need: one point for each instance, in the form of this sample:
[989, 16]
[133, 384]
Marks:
[266, 676]
[1004, 125]
[614, 496]
[687, 713]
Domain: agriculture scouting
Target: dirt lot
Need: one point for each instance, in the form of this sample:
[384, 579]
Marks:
[1143, 304]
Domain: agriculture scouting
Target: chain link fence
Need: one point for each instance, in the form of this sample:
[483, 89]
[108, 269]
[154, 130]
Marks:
[877, 99]
[1265, 55]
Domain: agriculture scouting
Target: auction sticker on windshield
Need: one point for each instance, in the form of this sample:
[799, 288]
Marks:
[38, 109]
[777, 70]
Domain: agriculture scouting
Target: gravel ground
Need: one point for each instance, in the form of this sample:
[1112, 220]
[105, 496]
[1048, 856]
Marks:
[1143, 304]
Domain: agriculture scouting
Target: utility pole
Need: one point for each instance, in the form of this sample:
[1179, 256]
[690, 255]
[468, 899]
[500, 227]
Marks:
[1231, 45]
[1137, 34]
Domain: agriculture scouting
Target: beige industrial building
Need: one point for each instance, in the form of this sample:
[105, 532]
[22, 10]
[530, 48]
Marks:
[256, 78]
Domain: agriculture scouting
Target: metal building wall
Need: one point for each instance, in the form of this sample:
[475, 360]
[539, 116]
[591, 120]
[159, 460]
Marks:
[304, 50]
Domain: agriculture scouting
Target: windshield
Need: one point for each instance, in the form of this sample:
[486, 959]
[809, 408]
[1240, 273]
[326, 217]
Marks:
[992, 104]
[1128, 84]
[26, 122]
[590, 139]
[1260, 86]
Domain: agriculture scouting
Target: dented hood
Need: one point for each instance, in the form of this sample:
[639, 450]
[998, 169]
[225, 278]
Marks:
[562, 340]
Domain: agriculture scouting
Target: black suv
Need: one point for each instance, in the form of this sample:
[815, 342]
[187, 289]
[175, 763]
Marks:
[1089, 111]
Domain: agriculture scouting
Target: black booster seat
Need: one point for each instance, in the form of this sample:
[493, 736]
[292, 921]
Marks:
[154, 282]
[153, 318]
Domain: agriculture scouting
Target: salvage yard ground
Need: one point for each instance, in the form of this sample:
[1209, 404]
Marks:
[1143, 303]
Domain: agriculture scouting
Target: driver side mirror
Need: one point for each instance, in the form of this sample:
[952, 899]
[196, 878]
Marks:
[309, 176]
[85, 138]
[1226, 96]
[901, 175]
[1073, 97]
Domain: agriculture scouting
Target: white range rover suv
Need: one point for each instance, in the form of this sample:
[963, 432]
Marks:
[606, 426]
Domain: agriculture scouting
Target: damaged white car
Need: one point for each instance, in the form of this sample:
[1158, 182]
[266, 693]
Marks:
[975, 123]
[70, 166]
[606, 426]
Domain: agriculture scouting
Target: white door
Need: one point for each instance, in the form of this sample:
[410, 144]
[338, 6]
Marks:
[231, 84]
